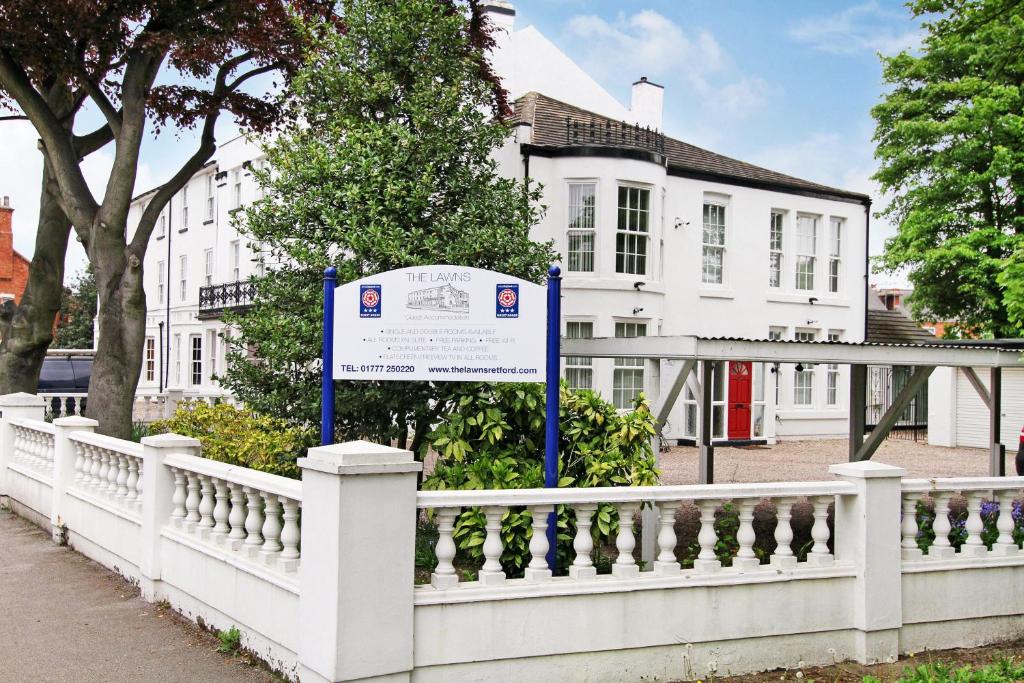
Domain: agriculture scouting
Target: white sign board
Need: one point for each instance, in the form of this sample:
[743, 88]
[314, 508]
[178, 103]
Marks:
[440, 323]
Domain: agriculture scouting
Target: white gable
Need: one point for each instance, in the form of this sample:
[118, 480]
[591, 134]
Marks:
[529, 62]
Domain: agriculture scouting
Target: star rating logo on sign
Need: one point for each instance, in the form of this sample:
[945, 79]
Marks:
[507, 303]
[369, 301]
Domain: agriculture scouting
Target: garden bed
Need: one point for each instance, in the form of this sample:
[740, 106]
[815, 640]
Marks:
[932, 667]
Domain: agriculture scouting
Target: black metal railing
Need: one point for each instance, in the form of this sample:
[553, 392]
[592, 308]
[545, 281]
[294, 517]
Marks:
[215, 299]
[600, 131]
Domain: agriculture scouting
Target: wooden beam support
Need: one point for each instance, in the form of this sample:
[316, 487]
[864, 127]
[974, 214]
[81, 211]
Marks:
[706, 469]
[892, 415]
[997, 451]
[858, 407]
[975, 381]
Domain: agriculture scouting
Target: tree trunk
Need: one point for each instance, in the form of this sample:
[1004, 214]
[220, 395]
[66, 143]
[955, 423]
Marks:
[122, 330]
[27, 330]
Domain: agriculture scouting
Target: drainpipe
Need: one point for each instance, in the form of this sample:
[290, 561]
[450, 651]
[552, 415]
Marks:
[167, 287]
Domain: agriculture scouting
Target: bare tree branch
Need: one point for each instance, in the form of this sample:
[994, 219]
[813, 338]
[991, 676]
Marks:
[80, 205]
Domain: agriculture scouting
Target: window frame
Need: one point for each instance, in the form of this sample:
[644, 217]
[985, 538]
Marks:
[184, 207]
[236, 260]
[832, 376]
[806, 256]
[776, 249]
[633, 237]
[195, 359]
[835, 253]
[804, 380]
[161, 279]
[624, 365]
[571, 231]
[208, 266]
[210, 203]
[706, 247]
[579, 365]
[183, 277]
[150, 359]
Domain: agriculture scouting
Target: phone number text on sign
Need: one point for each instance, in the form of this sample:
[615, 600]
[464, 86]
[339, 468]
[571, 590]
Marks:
[440, 323]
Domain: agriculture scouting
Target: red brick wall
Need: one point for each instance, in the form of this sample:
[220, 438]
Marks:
[13, 266]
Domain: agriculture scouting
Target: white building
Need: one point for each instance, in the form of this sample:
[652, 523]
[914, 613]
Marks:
[656, 236]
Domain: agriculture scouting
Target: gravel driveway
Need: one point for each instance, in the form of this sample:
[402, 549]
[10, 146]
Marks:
[809, 461]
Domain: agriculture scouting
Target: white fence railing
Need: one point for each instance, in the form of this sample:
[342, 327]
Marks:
[248, 513]
[318, 575]
[586, 503]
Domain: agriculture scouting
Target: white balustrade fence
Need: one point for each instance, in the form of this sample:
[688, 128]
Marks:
[33, 445]
[65, 404]
[990, 506]
[585, 504]
[318, 575]
[246, 512]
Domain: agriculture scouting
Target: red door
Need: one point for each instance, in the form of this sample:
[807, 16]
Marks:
[739, 400]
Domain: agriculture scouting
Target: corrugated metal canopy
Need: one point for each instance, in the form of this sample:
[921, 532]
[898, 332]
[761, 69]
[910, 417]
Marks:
[974, 353]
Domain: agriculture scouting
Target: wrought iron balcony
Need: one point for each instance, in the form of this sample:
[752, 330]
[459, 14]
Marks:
[601, 131]
[230, 296]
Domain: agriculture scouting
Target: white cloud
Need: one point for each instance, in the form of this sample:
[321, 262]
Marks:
[865, 27]
[647, 43]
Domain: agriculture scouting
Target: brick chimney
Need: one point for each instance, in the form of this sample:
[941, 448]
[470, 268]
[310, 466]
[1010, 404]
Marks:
[6, 240]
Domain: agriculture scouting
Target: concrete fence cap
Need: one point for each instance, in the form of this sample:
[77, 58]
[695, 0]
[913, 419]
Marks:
[170, 441]
[76, 421]
[20, 400]
[355, 453]
[866, 469]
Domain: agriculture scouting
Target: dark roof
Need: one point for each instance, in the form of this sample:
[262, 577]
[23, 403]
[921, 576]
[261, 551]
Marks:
[893, 327]
[548, 117]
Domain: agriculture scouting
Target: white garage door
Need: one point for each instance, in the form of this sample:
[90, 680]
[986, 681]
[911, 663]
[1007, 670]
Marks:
[972, 415]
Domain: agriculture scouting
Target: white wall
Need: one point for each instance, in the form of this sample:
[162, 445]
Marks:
[957, 416]
[674, 299]
[192, 240]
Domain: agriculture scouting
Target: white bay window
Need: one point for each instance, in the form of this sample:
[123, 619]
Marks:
[632, 230]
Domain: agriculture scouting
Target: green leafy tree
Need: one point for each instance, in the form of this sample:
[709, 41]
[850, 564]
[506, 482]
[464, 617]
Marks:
[950, 141]
[493, 438]
[77, 314]
[390, 167]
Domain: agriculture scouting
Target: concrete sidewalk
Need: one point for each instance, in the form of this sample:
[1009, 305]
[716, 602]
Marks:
[65, 618]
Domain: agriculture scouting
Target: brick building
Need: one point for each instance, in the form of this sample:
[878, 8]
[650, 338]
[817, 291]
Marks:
[13, 266]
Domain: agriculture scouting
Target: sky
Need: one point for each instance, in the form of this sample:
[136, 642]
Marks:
[786, 85]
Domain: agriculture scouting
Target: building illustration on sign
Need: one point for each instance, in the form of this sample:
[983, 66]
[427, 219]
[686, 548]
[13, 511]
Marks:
[443, 298]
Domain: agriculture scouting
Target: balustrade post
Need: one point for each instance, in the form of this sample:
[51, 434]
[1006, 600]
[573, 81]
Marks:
[707, 560]
[746, 559]
[941, 549]
[867, 535]
[18, 406]
[583, 543]
[158, 504]
[65, 455]
[538, 569]
[783, 557]
[909, 528]
[667, 564]
[1005, 544]
[358, 557]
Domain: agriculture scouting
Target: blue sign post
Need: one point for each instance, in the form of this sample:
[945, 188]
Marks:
[327, 387]
[551, 423]
[366, 351]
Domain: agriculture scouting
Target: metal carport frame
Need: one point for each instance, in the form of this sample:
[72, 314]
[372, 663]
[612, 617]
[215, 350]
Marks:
[991, 354]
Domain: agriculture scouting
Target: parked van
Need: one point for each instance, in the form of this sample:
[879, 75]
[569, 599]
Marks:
[66, 372]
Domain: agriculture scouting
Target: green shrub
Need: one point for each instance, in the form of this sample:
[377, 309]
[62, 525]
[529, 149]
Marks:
[239, 436]
[493, 438]
[1000, 671]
